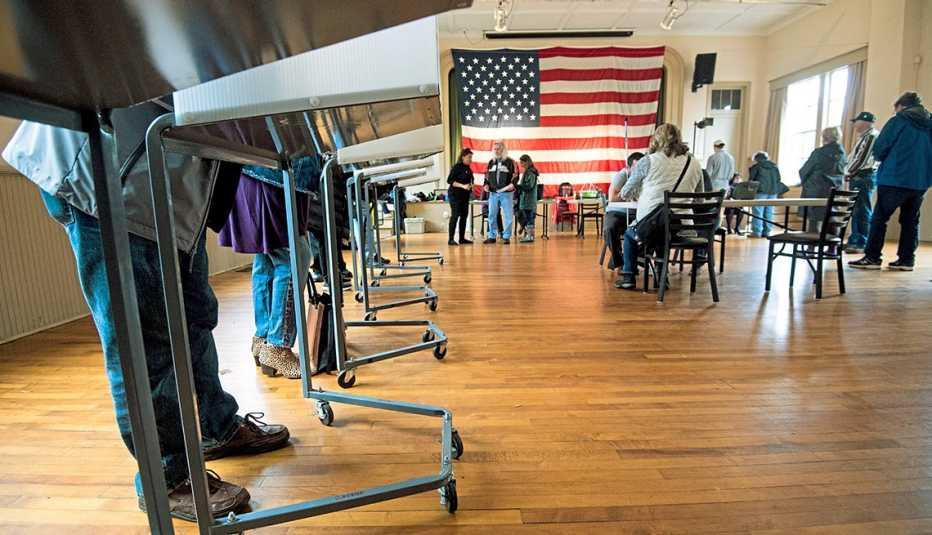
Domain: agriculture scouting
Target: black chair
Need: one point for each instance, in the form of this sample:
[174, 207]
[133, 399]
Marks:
[818, 246]
[594, 212]
[697, 214]
[720, 234]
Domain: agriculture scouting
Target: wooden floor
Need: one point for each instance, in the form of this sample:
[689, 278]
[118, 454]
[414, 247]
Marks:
[584, 409]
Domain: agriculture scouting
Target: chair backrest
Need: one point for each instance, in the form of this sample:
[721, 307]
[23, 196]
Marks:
[838, 209]
[566, 189]
[699, 212]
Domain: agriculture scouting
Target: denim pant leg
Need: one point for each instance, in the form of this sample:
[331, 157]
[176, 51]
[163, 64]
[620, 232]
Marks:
[217, 408]
[888, 200]
[909, 226]
[262, 276]
[630, 251]
[495, 204]
[508, 207]
[757, 226]
[282, 325]
[861, 217]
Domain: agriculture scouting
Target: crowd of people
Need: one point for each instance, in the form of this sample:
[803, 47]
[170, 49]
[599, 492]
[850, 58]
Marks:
[896, 162]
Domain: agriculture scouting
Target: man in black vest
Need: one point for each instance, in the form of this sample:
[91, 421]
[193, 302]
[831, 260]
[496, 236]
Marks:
[500, 177]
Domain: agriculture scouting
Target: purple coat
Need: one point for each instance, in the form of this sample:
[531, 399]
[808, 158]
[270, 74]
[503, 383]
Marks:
[257, 222]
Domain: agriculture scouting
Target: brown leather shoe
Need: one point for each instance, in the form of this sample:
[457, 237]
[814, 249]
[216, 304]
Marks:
[224, 498]
[252, 437]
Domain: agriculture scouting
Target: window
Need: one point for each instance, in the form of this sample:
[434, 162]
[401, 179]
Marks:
[812, 104]
[726, 99]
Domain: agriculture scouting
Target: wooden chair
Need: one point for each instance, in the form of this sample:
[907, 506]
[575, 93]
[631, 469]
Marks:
[817, 246]
[693, 213]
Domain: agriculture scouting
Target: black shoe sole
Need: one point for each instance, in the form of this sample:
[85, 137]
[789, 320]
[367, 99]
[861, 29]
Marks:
[242, 504]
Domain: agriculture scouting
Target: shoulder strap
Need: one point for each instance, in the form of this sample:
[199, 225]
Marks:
[132, 159]
[683, 172]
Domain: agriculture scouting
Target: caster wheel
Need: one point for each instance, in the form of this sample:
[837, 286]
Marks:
[432, 305]
[346, 380]
[448, 496]
[376, 283]
[383, 273]
[426, 279]
[370, 316]
[441, 261]
[358, 297]
[457, 445]
[324, 413]
[428, 336]
[440, 352]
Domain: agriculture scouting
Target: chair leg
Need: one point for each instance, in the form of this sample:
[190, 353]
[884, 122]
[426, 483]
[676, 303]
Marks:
[648, 266]
[712, 282]
[663, 275]
[681, 254]
[770, 258]
[841, 273]
[793, 265]
[721, 258]
[818, 282]
[693, 268]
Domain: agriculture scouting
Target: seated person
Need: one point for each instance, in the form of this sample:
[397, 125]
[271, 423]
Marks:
[654, 174]
[616, 219]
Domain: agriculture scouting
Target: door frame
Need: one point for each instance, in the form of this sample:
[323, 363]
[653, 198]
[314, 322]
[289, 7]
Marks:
[741, 154]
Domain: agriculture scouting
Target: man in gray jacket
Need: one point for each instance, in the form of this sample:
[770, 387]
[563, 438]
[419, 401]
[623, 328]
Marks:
[58, 162]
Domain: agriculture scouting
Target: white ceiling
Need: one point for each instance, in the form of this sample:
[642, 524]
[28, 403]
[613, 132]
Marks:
[704, 17]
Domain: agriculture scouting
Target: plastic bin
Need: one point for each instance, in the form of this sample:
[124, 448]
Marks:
[414, 225]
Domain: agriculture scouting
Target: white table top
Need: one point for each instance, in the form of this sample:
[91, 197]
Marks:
[739, 203]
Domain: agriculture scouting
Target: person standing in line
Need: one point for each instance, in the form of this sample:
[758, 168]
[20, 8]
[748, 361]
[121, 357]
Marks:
[527, 202]
[616, 219]
[860, 176]
[460, 180]
[720, 166]
[767, 175]
[500, 178]
[824, 170]
[904, 148]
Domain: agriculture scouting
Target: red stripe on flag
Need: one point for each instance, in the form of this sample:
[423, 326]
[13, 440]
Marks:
[600, 96]
[609, 51]
[598, 120]
[611, 142]
[580, 75]
[592, 166]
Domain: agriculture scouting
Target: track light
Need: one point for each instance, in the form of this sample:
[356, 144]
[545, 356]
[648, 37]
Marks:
[674, 12]
[502, 13]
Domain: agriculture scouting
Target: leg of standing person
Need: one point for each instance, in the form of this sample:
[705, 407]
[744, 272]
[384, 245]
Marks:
[262, 277]
[277, 356]
[889, 199]
[223, 431]
[463, 217]
[757, 226]
[768, 215]
[861, 217]
[454, 219]
[508, 222]
[495, 202]
[909, 229]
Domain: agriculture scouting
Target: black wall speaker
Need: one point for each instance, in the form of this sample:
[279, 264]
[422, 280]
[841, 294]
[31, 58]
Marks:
[704, 73]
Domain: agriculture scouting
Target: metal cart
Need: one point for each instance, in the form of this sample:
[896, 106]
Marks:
[53, 85]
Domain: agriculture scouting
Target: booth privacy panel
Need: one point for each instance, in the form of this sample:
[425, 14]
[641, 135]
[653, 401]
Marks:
[396, 63]
[93, 54]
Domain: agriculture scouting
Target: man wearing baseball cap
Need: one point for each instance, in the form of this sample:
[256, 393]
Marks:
[859, 176]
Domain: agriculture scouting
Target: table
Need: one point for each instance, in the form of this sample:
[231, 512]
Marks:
[750, 203]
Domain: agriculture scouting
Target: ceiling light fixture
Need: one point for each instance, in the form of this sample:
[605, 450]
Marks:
[674, 12]
[502, 14]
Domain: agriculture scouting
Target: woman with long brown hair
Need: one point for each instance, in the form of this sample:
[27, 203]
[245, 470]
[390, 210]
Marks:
[654, 174]
[460, 181]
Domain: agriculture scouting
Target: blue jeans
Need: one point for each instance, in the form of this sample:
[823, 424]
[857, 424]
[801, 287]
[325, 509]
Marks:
[861, 217]
[273, 295]
[758, 227]
[630, 250]
[889, 198]
[216, 407]
[506, 202]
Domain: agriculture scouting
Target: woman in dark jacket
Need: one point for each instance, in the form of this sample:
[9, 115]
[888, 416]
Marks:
[824, 170]
[460, 181]
[527, 202]
[767, 176]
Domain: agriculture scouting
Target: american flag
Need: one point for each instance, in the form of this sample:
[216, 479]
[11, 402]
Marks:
[565, 107]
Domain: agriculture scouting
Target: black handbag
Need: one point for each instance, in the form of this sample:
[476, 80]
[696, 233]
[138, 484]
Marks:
[745, 190]
[648, 226]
